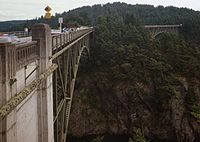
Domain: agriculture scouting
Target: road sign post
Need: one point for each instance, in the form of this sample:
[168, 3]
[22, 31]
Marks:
[60, 21]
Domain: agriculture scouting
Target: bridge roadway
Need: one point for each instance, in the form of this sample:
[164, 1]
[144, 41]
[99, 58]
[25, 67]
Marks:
[37, 81]
[162, 26]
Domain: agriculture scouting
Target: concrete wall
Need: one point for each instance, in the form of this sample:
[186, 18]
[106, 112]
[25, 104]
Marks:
[27, 120]
[2, 123]
[8, 124]
[26, 112]
[26, 72]
[22, 122]
[32, 119]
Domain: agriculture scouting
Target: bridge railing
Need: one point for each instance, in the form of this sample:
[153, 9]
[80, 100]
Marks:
[162, 26]
[19, 34]
[19, 56]
[26, 53]
[59, 40]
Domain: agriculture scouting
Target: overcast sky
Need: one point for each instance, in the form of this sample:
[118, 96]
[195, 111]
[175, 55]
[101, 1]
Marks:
[28, 9]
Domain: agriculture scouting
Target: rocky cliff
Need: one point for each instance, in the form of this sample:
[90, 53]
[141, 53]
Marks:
[118, 109]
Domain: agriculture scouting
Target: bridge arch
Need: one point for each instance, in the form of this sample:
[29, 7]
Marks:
[156, 30]
[64, 80]
[158, 33]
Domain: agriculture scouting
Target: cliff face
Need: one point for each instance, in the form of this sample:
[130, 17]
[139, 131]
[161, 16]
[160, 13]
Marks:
[119, 109]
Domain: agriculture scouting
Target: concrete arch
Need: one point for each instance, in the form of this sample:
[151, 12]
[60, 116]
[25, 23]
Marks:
[161, 32]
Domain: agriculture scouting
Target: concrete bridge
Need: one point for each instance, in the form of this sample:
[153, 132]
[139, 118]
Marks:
[156, 30]
[37, 81]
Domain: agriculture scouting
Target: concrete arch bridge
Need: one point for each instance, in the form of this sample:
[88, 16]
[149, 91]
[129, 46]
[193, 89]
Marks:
[37, 81]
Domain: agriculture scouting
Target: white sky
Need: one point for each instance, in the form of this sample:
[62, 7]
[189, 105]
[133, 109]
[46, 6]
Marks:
[28, 9]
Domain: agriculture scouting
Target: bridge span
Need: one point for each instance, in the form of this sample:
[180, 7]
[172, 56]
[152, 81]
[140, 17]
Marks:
[155, 30]
[37, 81]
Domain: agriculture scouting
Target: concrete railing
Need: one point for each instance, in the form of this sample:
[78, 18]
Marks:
[19, 34]
[20, 55]
[26, 53]
[163, 26]
[59, 40]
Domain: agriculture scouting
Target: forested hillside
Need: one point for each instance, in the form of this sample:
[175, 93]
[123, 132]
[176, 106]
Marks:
[133, 83]
[135, 88]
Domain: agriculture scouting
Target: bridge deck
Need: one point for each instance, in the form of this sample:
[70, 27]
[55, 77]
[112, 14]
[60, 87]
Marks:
[163, 26]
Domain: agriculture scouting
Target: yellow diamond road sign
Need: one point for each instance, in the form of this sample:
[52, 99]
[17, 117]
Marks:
[47, 9]
[47, 15]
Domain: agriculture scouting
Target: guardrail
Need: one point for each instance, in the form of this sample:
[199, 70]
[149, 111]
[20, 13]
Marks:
[19, 34]
[65, 38]
[18, 56]
[26, 53]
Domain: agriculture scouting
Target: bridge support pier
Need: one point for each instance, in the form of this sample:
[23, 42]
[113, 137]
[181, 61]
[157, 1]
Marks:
[42, 34]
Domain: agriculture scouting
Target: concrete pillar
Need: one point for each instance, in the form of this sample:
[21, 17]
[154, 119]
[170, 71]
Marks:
[2, 89]
[7, 91]
[42, 34]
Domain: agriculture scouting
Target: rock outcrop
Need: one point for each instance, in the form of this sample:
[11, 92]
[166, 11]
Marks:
[120, 108]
